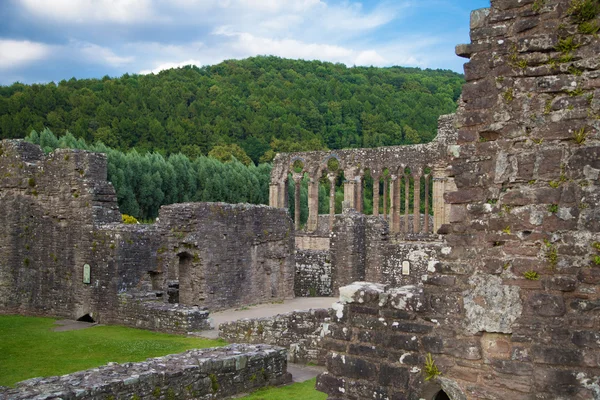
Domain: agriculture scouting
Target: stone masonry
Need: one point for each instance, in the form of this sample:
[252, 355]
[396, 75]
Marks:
[64, 251]
[510, 308]
[196, 374]
[301, 332]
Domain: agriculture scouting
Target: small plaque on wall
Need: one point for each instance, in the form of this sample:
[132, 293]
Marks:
[405, 268]
[87, 274]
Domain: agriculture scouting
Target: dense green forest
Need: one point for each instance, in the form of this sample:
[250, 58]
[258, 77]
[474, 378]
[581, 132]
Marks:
[254, 107]
[144, 182]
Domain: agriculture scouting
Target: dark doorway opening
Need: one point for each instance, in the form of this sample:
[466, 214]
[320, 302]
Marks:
[86, 318]
[441, 396]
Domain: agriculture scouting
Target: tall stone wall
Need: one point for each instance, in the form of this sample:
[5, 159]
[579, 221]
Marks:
[61, 225]
[50, 208]
[510, 311]
[224, 255]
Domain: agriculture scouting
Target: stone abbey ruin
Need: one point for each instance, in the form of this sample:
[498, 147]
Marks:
[493, 292]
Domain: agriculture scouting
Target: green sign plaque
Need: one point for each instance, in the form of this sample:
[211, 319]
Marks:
[86, 274]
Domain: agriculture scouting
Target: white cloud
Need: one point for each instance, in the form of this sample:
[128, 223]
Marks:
[15, 53]
[169, 65]
[98, 54]
[82, 11]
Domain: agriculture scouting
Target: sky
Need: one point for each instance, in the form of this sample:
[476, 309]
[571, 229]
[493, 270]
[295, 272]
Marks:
[52, 40]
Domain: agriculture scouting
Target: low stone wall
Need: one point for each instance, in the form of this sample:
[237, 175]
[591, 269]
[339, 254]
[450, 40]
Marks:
[159, 316]
[299, 331]
[207, 374]
[313, 274]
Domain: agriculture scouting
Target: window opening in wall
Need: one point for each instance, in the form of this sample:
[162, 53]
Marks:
[86, 318]
[441, 395]
[185, 290]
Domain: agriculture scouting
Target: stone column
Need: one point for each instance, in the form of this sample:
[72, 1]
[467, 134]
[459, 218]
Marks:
[297, 180]
[359, 192]
[313, 203]
[274, 195]
[396, 198]
[278, 194]
[439, 209]
[417, 201]
[406, 200]
[386, 183]
[375, 194]
[426, 219]
[349, 190]
[331, 178]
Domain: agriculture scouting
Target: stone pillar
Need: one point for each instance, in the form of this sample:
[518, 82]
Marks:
[349, 190]
[406, 200]
[274, 195]
[375, 194]
[417, 202]
[386, 183]
[331, 178]
[297, 181]
[359, 189]
[278, 194]
[313, 203]
[426, 219]
[395, 195]
[439, 209]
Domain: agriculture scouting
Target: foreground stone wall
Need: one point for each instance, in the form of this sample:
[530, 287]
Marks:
[208, 374]
[510, 311]
[301, 332]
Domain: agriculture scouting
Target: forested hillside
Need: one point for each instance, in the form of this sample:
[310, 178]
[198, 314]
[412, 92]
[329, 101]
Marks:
[263, 104]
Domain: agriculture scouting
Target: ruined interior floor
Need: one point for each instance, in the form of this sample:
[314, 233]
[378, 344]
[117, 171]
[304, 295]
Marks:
[265, 310]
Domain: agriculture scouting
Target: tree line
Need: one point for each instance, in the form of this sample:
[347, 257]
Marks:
[262, 105]
[146, 181]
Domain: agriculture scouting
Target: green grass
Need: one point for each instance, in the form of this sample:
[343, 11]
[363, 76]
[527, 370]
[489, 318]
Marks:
[297, 391]
[30, 348]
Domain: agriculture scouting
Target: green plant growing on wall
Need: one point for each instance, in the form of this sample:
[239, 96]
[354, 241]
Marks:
[583, 10]
[431, 370]
[506, 230]
[509, 95]
[128, 219]
[514, 59]
[538, 5]
[553, 208]
[551, 254]
[31, 182]
[596, 245]
[531, 275]
[566, 45]
[579, 136]
[214, 384]
[589, 27]
[596, 259]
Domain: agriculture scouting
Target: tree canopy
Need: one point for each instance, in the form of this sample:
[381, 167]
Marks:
[262, 104]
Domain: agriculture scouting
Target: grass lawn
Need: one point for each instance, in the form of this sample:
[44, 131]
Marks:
[30, 348]
[297, 391]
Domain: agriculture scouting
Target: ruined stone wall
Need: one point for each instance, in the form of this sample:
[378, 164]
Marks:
[379, 338]
[313, 273]
[222, 255]
[301, 332]
[60, 216]
[50, 207]
[208, 374]
[511, 310]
